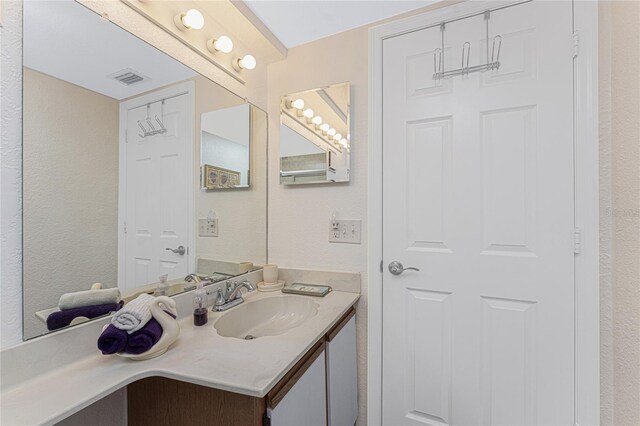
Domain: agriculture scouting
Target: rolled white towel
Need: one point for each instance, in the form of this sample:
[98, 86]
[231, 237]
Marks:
[80, 299]
[134, 315]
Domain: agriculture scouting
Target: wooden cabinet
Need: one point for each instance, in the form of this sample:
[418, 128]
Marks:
[321, 389]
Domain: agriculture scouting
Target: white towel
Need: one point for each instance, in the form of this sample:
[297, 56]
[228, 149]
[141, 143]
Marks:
[80, 299]
[134, 315]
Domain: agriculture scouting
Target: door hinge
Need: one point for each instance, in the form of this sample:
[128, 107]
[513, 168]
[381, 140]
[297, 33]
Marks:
[577, 240]
[381, 267]
[576, 44]
[124, 226]
[266, 420]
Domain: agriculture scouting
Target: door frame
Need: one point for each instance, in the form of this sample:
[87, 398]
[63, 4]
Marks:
[185, 88]
[586, 172]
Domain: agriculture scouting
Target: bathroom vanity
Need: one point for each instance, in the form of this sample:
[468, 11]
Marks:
[321, 388]
[266, 375]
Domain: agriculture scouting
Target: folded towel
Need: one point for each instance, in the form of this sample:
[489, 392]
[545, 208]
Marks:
[60, 319]
[80, 299]
[134, 315]
[112, 340]
[144, 339]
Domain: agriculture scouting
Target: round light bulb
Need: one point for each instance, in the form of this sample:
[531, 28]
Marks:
[193, 19]
[297, 104]
[337, 137]
[325, 127]
[308, 113]
[248, 62]
[223, 44]
[317, 120]
[331, 131]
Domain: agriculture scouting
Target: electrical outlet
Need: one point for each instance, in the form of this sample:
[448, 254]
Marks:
[345, 231]
[207, 227]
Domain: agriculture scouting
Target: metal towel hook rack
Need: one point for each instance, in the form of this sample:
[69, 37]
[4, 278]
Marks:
[152, 130]
[493, 59]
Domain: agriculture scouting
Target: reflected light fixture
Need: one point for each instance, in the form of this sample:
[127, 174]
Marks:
[191, 19]
[337, 137]
[308, 113]
[317, 120]
[222, 44]
[325, 127]
[331, 131]
[246, 62]
[297, 104]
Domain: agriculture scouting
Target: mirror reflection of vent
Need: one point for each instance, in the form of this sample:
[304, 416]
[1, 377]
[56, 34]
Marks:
[128, 77]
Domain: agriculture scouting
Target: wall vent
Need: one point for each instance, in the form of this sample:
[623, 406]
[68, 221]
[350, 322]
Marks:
[128, 77]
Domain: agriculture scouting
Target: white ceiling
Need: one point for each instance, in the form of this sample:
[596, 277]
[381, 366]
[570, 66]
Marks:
[68, 41]
[296, 22]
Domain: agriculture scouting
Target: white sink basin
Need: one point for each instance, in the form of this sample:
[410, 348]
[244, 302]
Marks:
[270, 316]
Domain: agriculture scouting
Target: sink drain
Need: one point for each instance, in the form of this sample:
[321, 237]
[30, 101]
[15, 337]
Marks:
[249, 337]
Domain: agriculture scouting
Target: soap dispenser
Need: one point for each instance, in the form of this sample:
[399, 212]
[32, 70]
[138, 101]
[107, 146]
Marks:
[200, 316]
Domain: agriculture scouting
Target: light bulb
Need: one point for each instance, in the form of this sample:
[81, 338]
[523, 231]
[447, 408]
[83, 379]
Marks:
[331, 131]
[308, 113]
[297, 104]
[246, 62]
[325, 127]
[343, 142]
[192, 19]
[222, 44]
[337, 137]
[317, 120]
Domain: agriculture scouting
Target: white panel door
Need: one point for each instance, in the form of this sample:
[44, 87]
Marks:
[158, 179]
[478, 194]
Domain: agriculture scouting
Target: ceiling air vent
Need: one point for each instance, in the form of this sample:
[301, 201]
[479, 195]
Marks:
[128, 77]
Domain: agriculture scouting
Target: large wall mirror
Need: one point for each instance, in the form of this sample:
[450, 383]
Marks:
[117, 136]
[315, 136]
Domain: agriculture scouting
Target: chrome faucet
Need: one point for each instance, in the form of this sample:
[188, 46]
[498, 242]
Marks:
[192, 278]
[229, 296]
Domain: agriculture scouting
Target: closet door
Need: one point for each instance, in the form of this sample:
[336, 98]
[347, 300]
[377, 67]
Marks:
[478, 190]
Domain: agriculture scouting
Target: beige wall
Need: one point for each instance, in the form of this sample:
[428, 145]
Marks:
[242, 213]
[620, 212]
[70, 206]
[299, 215]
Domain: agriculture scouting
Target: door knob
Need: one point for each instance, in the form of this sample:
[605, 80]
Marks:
[180, 250]
[396, 268]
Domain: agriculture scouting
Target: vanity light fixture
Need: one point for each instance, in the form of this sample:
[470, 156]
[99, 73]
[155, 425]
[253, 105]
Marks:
[246, 62]
[325, 127]
[308, 113]
[337, 137]
[191, 19]
[331, 131]
[222, 44]
[317, 120]
[297, 104]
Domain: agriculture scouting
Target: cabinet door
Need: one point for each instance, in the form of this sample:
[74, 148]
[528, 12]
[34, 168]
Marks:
[342, 378]
[305, 404]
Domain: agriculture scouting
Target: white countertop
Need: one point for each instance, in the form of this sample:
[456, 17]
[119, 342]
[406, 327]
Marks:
[199, 356]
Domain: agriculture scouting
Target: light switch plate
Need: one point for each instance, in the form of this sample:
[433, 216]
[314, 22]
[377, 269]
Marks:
[345, 231]
[207, 227]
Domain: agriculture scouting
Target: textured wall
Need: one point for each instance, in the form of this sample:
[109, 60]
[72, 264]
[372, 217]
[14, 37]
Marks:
[11, 178]
[242, 213]
[299, 215]
[620, 212]
[70, 205]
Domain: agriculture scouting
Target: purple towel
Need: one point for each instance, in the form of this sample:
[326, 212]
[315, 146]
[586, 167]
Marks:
[112, 340]
[142, 340]
[60, 319]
